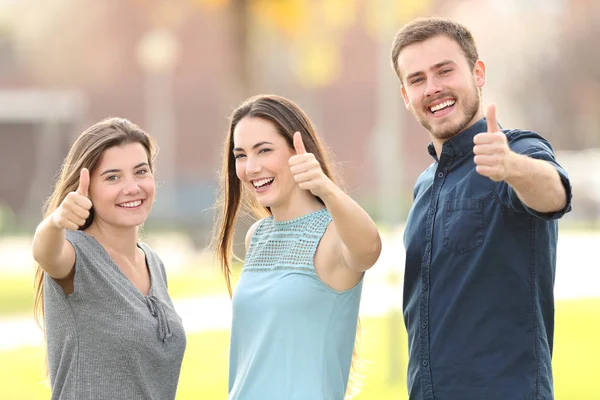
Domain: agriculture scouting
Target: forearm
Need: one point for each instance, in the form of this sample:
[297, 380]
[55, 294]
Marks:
[361, 243]
[537, 183]
[48, 242]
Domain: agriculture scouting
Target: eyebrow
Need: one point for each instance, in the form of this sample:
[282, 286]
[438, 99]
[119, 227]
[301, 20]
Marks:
[111, 171]
[436, 66]
[253, 147]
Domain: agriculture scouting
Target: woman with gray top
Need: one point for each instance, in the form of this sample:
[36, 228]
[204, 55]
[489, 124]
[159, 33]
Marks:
[111, 329]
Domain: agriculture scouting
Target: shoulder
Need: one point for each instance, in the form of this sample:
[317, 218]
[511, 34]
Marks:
[251, 231]
[75, 237]
[427, 174]
[425, 178]
[152, 259]
[147, 248]
[150, 253]
[84, 246]
[527, 142]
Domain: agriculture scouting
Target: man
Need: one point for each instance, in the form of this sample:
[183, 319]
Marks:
[481, 235]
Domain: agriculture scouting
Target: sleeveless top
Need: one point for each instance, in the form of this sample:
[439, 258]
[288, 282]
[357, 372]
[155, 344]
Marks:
[107, 340]
[292, 336]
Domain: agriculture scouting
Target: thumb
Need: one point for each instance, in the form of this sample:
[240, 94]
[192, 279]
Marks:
[299, 144]
[492, 122]
[84, 182]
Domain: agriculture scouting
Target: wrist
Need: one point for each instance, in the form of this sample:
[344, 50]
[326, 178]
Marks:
[53, 222]
[329, 192]
[514, 168]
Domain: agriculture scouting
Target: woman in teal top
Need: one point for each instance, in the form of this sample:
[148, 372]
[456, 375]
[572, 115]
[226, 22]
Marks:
[295, 308]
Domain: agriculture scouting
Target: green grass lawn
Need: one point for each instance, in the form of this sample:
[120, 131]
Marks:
[204, 371]
[16, 295]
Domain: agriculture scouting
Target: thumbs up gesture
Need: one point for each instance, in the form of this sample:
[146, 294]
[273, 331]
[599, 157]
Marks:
[492, 153]
[307, 171]
[75, 208]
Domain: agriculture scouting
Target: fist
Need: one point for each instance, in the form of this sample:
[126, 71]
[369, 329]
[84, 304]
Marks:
[75, 208]
[491, 150]
[307, 171]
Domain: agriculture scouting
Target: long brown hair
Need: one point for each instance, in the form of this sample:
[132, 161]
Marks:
[86, 153]
[234, 198]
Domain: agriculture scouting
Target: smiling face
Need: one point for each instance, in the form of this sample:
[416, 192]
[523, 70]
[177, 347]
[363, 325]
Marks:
[122, 187]
[262, 162]
[439, 87]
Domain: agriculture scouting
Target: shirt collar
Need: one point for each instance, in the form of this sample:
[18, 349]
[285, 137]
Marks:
[460, 144]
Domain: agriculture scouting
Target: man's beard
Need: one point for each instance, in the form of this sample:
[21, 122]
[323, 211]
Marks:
[447, 131]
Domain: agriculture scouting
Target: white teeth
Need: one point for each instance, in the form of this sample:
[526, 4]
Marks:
[445, 104]
[131, 204]
[261, 182]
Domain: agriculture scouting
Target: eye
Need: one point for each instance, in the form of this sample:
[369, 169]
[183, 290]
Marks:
[415, 81]
[237, 156]
[265, 150]
[446, 71]
[142, 171]
[112, 178]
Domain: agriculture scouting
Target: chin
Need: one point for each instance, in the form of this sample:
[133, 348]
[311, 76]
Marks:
[446, 130]
[132, 222]
[265, 203]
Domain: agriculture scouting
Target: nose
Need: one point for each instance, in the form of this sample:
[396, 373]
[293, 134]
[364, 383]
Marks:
[433, 87]
[131, 187]
[252, 166]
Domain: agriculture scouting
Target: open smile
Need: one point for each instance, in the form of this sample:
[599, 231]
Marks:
[442, 108]
[132, 205]
[261, 185]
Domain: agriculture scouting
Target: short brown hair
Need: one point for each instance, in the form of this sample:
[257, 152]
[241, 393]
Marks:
[422, 29]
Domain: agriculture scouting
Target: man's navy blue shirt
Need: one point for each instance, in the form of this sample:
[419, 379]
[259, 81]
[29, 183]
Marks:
[479, 279]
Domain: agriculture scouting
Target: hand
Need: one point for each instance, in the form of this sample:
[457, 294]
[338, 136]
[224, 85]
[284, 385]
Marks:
[75, 208]
[307, 171]
[492, 153]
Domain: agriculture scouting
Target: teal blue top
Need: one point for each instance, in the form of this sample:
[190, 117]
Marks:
[292, 336]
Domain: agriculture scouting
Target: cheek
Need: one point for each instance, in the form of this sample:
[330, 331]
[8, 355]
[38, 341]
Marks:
[103, 199]
[240, 170]
[149, 187]
[412, 99]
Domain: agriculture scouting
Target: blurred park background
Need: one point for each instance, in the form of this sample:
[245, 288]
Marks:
[179, 67]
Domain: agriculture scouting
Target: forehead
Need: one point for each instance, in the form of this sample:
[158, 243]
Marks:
[251, 130]
[422, 56]
[124, 156]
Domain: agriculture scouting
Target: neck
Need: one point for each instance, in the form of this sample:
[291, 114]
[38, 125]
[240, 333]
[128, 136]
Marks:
[121, 240]
[306, 203]
[438, 143]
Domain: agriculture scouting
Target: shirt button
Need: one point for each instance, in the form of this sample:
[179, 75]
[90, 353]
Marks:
[460, 153]
[425, 363]
[440, 174]
[423, 325]
[425, 286]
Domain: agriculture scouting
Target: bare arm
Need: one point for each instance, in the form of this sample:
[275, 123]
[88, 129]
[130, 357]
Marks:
[536, 182]
[360, 243]
[360, 240]
[51, 250]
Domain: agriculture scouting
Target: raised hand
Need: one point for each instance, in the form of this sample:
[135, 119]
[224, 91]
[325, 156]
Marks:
[307, 171]
[75, 208]
[492, 153]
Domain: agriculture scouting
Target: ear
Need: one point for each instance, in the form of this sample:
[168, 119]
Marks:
[405, 97]
[479, 73]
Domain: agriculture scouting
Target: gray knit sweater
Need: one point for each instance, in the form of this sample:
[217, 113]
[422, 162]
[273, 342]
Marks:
[107, 340]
